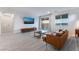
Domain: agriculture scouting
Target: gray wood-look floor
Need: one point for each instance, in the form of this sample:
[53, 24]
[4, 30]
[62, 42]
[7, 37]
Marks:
[27, 42]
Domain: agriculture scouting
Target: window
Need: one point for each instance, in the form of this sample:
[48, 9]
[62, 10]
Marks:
[63, 16]
[58, 17]
[45, 23]
[61, 19]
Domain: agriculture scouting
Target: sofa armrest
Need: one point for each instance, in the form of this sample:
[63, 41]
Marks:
[44, 38]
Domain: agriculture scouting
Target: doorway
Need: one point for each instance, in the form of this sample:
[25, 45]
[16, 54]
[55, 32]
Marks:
[44, 22]
[6, 23]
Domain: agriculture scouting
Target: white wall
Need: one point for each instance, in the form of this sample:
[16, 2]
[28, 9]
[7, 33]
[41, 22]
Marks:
[70, 27]
[6, 22]
[0, 23]
[19, 23]
[0, 27]
[72, 23]
[36, 24]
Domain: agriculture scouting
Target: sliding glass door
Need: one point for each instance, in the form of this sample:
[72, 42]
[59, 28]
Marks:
[44, 23]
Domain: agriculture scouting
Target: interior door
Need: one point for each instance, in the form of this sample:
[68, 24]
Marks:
[7, 23]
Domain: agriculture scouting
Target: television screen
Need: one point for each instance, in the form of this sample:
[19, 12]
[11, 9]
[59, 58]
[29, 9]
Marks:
[28, 20]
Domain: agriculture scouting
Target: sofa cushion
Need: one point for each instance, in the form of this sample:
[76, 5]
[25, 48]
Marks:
[58, 34]
[57, 41]
[54, 34]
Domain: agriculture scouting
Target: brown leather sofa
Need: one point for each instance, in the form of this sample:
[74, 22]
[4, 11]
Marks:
[77, 32]
[57, 40]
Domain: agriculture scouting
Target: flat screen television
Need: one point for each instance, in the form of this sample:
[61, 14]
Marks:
[28, 20]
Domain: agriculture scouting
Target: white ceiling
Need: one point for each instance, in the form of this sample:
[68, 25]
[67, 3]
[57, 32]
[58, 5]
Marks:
[37, 11]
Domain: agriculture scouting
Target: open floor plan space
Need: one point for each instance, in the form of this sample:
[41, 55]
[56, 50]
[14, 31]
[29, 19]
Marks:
[39, 29]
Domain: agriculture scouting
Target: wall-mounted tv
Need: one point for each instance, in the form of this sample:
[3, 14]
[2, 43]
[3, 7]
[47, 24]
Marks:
[28, 20]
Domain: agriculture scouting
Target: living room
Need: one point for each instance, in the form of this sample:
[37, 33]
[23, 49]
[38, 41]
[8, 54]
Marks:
[17, 34]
